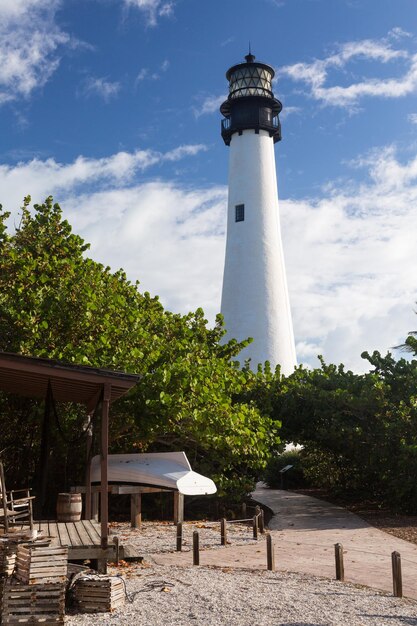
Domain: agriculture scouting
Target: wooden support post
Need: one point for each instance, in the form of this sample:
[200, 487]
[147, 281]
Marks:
[179, 536]
[270, 555]
[255, 527]
[88, 513]
[196, 548]
[117, 549]
[95, 499]
[244, 511]
[262, 522]
[178, 507]
[136, 510]
[223, 532]
[102, 566]
[104, 494]
[4, 497]
[397, 580]
[340, 568]
[30, 513]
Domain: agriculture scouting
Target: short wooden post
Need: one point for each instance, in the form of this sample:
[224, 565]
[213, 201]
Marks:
[196, 548]
[179, 536]
[223, 532]
[397, 580]
[136, 510]
[270, 556]
[244, 512]
[116, 549]
[262, 522]
[255, 527]
[340, 568]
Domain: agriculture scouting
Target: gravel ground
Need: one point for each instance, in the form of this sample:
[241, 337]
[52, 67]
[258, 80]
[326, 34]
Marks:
[203, 596]
[155, 537]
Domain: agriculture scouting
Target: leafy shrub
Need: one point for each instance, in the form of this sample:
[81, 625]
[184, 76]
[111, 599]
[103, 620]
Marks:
[293, 478]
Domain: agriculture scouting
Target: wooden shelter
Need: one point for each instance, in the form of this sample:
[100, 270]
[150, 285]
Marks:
[95, 388]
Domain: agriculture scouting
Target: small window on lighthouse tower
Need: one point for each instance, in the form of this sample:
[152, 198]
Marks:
[239, 213]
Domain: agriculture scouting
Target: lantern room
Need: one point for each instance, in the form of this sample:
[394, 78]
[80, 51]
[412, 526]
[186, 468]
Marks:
[251, 103]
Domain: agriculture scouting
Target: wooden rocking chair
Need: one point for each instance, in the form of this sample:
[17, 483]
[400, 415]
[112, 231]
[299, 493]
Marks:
[14, 507]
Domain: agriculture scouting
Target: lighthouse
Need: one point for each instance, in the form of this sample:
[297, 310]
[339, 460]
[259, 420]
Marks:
[255, 300]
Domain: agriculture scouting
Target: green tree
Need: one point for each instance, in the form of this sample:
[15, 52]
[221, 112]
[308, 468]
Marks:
[56, 302]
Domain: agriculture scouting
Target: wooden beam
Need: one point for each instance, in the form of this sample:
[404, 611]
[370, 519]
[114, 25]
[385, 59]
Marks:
[104, 495]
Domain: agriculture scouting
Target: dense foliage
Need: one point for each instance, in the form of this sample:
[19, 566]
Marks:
[57, 303]
[358, 431]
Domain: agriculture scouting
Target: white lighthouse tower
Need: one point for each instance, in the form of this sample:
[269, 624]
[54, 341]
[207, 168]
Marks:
[255, 300]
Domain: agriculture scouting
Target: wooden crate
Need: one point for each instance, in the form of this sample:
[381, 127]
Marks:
[7, 558]
[36, 565]
[31, 604]
[95, 593]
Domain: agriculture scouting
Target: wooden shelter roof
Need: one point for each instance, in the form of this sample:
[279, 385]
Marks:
[35, 377]
[29, 376]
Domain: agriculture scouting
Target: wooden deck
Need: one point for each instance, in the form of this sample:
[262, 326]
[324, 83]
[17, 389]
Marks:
[82, 539]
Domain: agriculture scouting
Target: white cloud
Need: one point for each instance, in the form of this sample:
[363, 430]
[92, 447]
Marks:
[315, 74]
[40, 178]
[152, 9]
[227, 41]
[399, 33]
[412, 118]
[146, 74]
[209, 104]
[30, 41]
[286, 111]
[350, 253]
[98, 86]
[142, 75]
[352, 259]
[168, 237]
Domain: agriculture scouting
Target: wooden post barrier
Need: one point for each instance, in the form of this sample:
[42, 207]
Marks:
[262, 522]
[244, 513]
[196, 548]
[223, 532]
[255, 527]
[270, 555]
[340, 568]
[397, 580]
[179, 536]
[116, 549]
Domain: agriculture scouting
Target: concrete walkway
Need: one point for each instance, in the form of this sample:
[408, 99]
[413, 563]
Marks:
[304, 531]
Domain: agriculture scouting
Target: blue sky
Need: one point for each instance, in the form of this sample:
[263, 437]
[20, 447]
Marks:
[112, 107]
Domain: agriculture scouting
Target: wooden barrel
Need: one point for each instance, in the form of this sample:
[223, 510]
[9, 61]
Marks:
[69, 507]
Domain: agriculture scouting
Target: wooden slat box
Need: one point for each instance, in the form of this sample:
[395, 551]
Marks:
[7, 558]
[95, 593]
[31, 604]
[36, 565]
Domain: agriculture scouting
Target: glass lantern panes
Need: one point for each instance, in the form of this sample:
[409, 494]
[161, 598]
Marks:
[250, 81]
